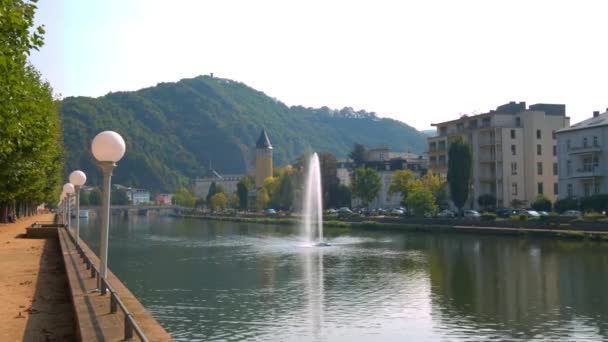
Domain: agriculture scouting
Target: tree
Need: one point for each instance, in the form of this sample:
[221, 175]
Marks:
[262, 199]
[271, 185]
[95, 197]
[184, 197]
[358, 153]
[243, 194]
[542, 203]
[31, 150]
[84, 198]
[366, 185]
[212, 191]
[401, 183]
[285, 192]
[119, 197]
[329, 178]
[436, 185]
[219, 201]
[487, 201]
[234, 200]
[460, 162]
[420, 199]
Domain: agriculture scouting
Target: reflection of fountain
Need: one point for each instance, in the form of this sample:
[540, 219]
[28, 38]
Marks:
[314, 288]
[313, 203]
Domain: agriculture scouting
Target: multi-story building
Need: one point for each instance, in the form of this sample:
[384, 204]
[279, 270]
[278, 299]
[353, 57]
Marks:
[386, 163]
[228, 182]
[582, 151]
[513, 147]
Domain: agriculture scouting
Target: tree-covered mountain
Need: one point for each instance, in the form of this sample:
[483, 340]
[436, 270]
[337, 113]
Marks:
[174, 131]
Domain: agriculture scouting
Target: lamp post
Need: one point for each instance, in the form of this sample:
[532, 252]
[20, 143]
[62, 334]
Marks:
[78, 178]
[68, 189]
[108, 147]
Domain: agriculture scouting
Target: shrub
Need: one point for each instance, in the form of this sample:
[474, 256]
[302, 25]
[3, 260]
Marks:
[566, 204]
[597, 203]
[523, 217]
[593, 216]
[488, 217]
[541, 203]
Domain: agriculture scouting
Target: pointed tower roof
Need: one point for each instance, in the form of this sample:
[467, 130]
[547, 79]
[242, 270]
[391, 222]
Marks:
[263, 141]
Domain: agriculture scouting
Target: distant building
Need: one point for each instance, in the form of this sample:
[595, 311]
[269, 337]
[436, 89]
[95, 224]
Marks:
[514, 151]
[263, 159]
[582, 152]
[228, 182]
[164, 199]
[135, 196]
[386, 163]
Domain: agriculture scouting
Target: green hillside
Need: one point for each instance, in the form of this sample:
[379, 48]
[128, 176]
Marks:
[174, 131]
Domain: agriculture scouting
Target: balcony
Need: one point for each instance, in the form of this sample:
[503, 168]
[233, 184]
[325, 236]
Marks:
[588, 172]
[585, 149]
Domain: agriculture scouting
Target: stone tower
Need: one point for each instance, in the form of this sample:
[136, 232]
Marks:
[263, 159]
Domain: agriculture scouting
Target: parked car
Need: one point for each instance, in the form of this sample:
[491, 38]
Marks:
[533, 214]
[505, 212]
[270, 212]
[331, 211]
[472, 214]
[571, 213]
[396, 212]
[344, 212]
[543, 213]
[446, 214]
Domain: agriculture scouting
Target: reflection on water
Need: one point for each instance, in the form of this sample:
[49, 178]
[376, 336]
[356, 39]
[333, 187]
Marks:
[228, 281]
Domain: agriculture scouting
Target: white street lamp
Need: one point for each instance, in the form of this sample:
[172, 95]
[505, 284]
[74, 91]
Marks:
[108, 147]
[68, 189]
[78, 178]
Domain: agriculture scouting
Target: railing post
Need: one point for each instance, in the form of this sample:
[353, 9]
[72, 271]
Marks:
[128, 328]
[113, 304]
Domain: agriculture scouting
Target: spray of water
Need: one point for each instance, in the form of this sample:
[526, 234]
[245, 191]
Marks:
[313, 203]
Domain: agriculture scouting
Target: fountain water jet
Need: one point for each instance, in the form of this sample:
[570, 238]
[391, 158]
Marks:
[313, 204]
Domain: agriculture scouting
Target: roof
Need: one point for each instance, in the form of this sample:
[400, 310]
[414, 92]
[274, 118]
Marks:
[263, 141]
[596, 121]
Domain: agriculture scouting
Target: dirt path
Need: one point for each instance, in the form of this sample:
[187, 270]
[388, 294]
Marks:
[34, 293]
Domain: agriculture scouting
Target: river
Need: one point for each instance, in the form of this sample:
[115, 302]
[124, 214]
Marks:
[226, 281]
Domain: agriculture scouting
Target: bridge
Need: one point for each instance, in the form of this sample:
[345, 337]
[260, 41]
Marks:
[136, 210]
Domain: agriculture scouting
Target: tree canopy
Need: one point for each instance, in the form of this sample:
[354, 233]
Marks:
[460, 162]
[31, 151]
[366, 185]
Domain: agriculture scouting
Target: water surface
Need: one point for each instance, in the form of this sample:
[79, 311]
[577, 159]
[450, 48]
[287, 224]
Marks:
[226, 281]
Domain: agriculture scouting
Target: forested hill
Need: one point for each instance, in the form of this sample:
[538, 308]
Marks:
[174, 131]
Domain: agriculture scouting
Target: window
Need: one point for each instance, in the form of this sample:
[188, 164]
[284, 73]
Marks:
[513, 168]
[554, 150]
[433, 146]
[595, 142]
[555, 169]
[568, 167]
[585, 142]
[555, 188]
[568, 143]
[538, 134]
[570, 193]
[518, 122]
[513, 150]
[596, 187]
[512, 134]
[539, 168]
[433, 160]
[540, 188]
[553, 134]
[587, 189]
[539, 149]
[514, 189]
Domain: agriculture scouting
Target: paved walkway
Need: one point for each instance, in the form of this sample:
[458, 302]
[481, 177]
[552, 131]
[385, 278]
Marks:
[35, 303]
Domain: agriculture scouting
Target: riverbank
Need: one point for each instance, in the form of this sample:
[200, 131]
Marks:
[34, 292]
[455, 227]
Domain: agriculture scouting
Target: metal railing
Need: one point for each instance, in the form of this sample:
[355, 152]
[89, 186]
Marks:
[115, 302]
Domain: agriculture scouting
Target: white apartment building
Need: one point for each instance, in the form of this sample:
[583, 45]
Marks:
[514, 151]
[582, 151]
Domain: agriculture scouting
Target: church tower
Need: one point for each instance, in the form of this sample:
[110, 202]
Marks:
[263, 159]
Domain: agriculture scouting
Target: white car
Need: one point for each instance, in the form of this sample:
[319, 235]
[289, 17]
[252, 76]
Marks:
[472, 214]
[571, 213]
[446, 214]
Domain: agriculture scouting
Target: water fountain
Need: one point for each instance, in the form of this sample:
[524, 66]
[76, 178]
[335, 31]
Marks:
[313, 204]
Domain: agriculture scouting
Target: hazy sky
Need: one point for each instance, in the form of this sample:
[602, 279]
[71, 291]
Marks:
[415, 61]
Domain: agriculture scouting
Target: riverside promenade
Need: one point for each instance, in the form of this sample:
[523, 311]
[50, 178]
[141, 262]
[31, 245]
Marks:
[34, 291]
